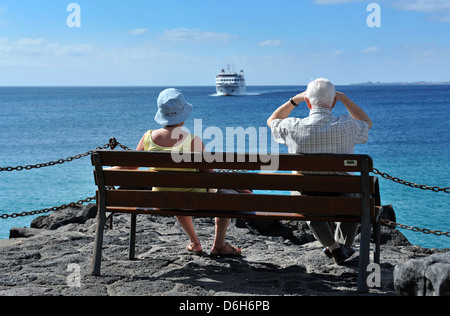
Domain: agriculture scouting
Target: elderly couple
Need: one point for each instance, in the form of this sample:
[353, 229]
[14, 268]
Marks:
[320, 132]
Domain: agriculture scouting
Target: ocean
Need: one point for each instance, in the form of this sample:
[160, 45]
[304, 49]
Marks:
[410, 140]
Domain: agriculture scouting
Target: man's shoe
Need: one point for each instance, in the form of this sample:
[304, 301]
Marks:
[327, 252]
[339, 256]
[348, 251]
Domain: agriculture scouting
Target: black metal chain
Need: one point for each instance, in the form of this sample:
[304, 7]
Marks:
[415, 229]
[47, 210]
[411, 184]
[113, 143]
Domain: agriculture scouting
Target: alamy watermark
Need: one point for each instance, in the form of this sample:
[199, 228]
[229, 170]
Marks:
[221, 147]
[74, 277]
[374, 277]
[374, 18]
[74, 18]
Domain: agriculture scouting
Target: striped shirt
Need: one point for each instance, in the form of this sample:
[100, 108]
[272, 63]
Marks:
[320, 133]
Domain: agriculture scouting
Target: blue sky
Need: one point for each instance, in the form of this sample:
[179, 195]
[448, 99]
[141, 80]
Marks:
[187, 42]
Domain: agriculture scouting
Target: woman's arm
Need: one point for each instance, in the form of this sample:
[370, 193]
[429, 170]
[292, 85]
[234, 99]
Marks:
[140, 147]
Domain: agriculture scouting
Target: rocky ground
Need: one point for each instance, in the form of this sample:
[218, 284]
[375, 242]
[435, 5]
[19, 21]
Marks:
[278, 259]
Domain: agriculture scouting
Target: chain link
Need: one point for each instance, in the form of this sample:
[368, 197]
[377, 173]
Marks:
[113, 143]
[416, 229]
[48, 210]
[411, 184]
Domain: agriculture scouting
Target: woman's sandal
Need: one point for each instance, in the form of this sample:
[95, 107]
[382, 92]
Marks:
[191, 247]
[235, 252]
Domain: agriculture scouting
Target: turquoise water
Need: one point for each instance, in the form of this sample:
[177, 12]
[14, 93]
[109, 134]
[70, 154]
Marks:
[410, 140]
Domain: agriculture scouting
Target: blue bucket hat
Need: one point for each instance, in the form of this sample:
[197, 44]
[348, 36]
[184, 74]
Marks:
[172, 108]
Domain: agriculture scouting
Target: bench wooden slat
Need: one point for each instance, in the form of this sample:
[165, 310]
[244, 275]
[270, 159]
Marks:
[255, 181]
[230, 214]
[236, 202]
[344, 163]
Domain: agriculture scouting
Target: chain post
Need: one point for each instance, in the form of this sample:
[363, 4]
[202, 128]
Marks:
[113, 143]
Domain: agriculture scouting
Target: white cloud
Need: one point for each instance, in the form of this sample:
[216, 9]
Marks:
[405, 5]
[271, 43]
[442, 17]
[439, 10]
[40, 47]
[422, 5]
[139, 31]
[371, 50]
[331, 2]
[144, 52]
[2, 9]
[196, 36]
[336, 53]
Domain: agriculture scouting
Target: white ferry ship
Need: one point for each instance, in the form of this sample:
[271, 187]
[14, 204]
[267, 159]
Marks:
[230, 83]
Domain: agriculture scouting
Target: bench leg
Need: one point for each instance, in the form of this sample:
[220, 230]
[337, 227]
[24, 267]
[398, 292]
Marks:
[132, 249]
[97, 255]
[364, 257]
[377, 239]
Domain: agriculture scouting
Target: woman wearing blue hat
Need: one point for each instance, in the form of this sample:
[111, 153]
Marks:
[173, 111]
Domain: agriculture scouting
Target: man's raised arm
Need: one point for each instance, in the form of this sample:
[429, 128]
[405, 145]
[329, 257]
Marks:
[355, 111]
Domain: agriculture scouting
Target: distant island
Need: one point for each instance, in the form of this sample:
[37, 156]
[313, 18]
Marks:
[370, 83]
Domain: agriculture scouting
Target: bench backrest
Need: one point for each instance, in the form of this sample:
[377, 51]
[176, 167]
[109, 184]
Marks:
[284, 180]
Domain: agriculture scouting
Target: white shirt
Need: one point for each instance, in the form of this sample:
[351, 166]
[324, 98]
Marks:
[320, 133]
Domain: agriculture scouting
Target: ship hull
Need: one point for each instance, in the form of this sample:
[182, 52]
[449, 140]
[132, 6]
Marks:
[230, 90]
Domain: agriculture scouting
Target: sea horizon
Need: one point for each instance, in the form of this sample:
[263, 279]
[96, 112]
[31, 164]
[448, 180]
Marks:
[368, 83]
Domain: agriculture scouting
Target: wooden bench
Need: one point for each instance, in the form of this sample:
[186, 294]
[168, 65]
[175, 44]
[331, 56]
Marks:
[362, 209]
